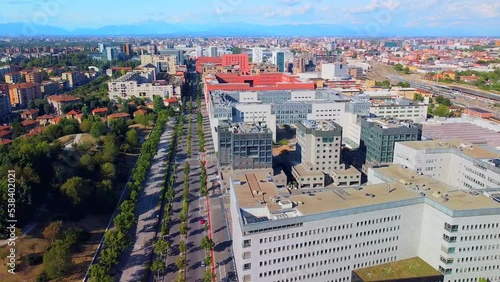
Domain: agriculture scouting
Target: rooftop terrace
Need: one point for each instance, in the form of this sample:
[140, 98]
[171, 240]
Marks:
[402, 269]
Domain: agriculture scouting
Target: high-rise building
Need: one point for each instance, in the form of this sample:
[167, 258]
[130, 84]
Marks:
[379, 135]
[5, 107]
[278, 58]
[212, 51]
[179, 54]
[237, 59]
[127, 50]
[244, 146]
[32, 76]
[21, 94]
[102, 47]
[111, 53]
[257, 55]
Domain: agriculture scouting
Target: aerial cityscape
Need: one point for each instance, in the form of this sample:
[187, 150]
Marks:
[251, 141]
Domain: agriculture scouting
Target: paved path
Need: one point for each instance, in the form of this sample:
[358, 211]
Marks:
[132, 265]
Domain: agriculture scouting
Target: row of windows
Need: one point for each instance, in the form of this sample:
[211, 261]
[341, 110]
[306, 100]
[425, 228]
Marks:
[308, 244]
[472, 179]
[482, 258]
[474, 172]
[378, 220]
[479, 248]
[326, 272]
[307, 255]
[479, 268]
[379, 241]
[491, 278]
[304, 266]
[376, 231]
[305, 233]
[479, 237]
[275, 228]
[374, 262]
[480, 226]
[372, 253]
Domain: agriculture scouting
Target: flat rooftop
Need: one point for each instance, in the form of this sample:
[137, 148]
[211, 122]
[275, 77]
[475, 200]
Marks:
[469, 149]
[320, 125]
[401, 269]
[256, 191]
[390, 123]
[464, 131]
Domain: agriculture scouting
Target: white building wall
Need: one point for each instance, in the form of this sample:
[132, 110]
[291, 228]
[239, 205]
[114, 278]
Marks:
[248, 97]
[329, 249]
[414, 113]
[330, 111]
[256, 113]
[303, 95]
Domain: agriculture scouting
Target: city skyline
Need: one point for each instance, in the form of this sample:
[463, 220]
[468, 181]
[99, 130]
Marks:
[364, 18]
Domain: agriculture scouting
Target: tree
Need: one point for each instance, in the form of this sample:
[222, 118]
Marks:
[208, 276]
[99, 273]
[398, 67]
[406, 70]
[180, 262]
[207, 243]
[283, 142]
[182, 247]
[133, 138]
[158, 267]
[161, 247]
[98, 128]
[183, 228]
[418, 97]
[109, 257]
[108, 170]
[446, 102]
[158, 104]
[442, 111]
[76, 190]
[87, 163]
[57, 261]
[52, 231]
[118, 127]
[439, 99]
[110, 149]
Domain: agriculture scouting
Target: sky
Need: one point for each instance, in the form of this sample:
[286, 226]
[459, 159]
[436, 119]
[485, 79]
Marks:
[366, 14]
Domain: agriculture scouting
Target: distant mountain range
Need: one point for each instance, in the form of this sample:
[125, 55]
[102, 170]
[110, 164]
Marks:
[155, 28]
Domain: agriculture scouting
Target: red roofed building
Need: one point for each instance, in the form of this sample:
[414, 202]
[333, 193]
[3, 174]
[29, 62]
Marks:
[478, 112]
[36, 131]
[30, 124]
[45, 119]
[55, 120]
[170, 101]
[5, 134]
[29, 114]
[4, 127]
[140, 112]
[203, 60]
[5, 142]
[59, 101]
[261, 82]
[118, 116]
[100, 111]
[72, 114]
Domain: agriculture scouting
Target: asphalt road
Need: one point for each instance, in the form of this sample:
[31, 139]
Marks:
[133, 261]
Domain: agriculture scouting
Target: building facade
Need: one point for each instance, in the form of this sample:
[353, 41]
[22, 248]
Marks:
[460, 164]
[278, 59]
[378, 137]
[257, 55]
[282, 235]
[21, 94]
[5, 108]
[401, 109]
[244, 146]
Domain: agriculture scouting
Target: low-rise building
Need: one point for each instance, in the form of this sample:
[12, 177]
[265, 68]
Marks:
[402, 109]
[478, 112]
[30, 114]
[58, 102]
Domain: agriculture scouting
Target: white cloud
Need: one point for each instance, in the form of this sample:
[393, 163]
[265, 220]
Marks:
[289, 2]
[374, 5]
[289, 11]
[488, 10]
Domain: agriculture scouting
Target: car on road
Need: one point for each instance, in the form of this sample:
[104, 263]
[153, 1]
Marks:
[202, 221]
[203, 264]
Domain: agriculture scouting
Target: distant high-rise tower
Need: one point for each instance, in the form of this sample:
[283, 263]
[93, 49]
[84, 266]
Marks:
[258, 55]
[278, 59]
[127, 49]
[212, 51]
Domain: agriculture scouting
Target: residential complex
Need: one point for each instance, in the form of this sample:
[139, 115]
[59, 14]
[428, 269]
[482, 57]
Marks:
[378, 137]
[142, 84]
[21, 94]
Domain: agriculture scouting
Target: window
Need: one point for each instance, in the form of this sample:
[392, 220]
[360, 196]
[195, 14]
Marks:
[247, 243]
[247, 266]
[451, 228]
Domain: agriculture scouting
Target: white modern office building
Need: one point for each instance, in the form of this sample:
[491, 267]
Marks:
[283, 234]
[278, 107]
[334, 71]
[461, 165]
[402, 109]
